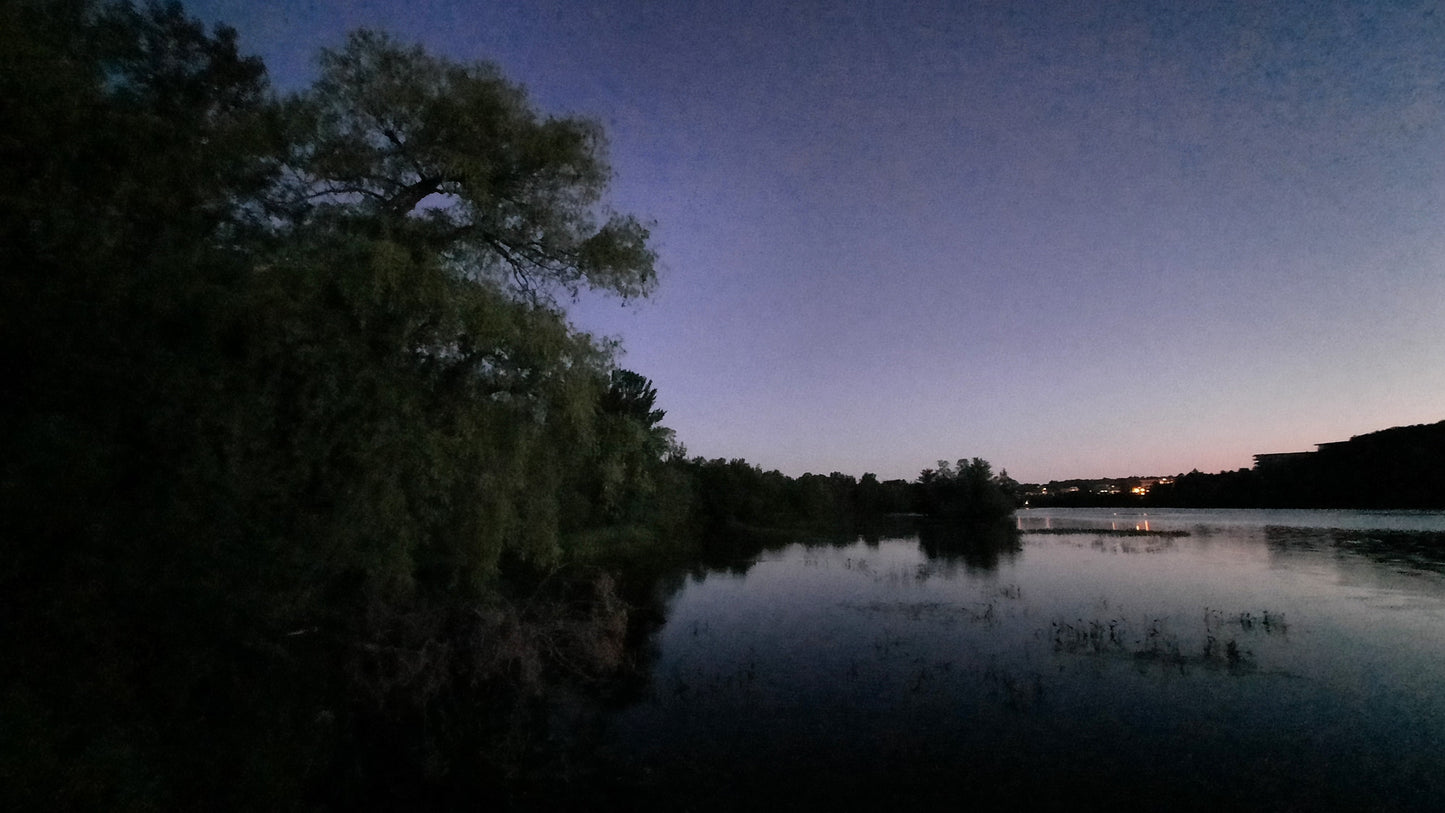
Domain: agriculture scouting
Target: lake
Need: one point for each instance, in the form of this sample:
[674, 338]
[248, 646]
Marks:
[1078, 658]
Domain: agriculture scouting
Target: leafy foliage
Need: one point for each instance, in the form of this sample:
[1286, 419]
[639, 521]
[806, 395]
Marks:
[450, 158]
[310, 489]
[289, 393]
[967, 490]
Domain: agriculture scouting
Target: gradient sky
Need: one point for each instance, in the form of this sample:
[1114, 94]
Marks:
[1076, 239]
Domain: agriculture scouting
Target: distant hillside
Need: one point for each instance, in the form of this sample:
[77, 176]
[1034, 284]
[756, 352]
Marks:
[1399, 467]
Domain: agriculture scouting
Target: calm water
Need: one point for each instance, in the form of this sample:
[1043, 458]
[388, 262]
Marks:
[1261, 659]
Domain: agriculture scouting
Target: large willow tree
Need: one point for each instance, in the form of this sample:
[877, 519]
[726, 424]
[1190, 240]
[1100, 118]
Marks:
[288, 386]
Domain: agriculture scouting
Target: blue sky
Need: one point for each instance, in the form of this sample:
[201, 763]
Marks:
[1075, 239]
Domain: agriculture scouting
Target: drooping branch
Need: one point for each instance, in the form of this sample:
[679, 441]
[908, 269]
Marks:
[518, 192]
[408, 197]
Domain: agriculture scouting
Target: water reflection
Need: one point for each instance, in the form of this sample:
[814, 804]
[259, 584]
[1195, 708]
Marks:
[1409, 548]
[1112, 522]
[1242, 665]
[979, 547]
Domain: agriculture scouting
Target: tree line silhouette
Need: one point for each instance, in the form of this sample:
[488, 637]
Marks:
[1392, 468]
[313, 497]
[1395, 468]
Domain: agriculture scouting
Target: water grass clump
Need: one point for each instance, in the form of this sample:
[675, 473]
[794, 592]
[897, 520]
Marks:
[1221, 647]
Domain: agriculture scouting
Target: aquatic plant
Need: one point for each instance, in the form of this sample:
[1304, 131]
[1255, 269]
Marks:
[1156, 644]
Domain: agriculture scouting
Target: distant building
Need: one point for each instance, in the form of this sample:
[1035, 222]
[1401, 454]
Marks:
[1399, 467]
[1264, 462]
[1270, 462]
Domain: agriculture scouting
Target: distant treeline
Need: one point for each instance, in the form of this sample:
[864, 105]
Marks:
[1401, 467]
[733, 491]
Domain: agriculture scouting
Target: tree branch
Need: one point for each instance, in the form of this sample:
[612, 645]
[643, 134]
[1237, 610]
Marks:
[405, 200]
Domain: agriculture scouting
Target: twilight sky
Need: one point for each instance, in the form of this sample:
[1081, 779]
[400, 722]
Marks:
[1076, 239]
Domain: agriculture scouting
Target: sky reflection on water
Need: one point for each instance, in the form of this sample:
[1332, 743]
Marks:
[1262, 660]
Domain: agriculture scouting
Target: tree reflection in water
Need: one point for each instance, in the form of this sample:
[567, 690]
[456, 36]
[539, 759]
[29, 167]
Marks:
[978, 546]
[1230, 667]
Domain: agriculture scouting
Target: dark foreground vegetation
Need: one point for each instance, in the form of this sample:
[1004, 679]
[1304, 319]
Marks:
[312, 497]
